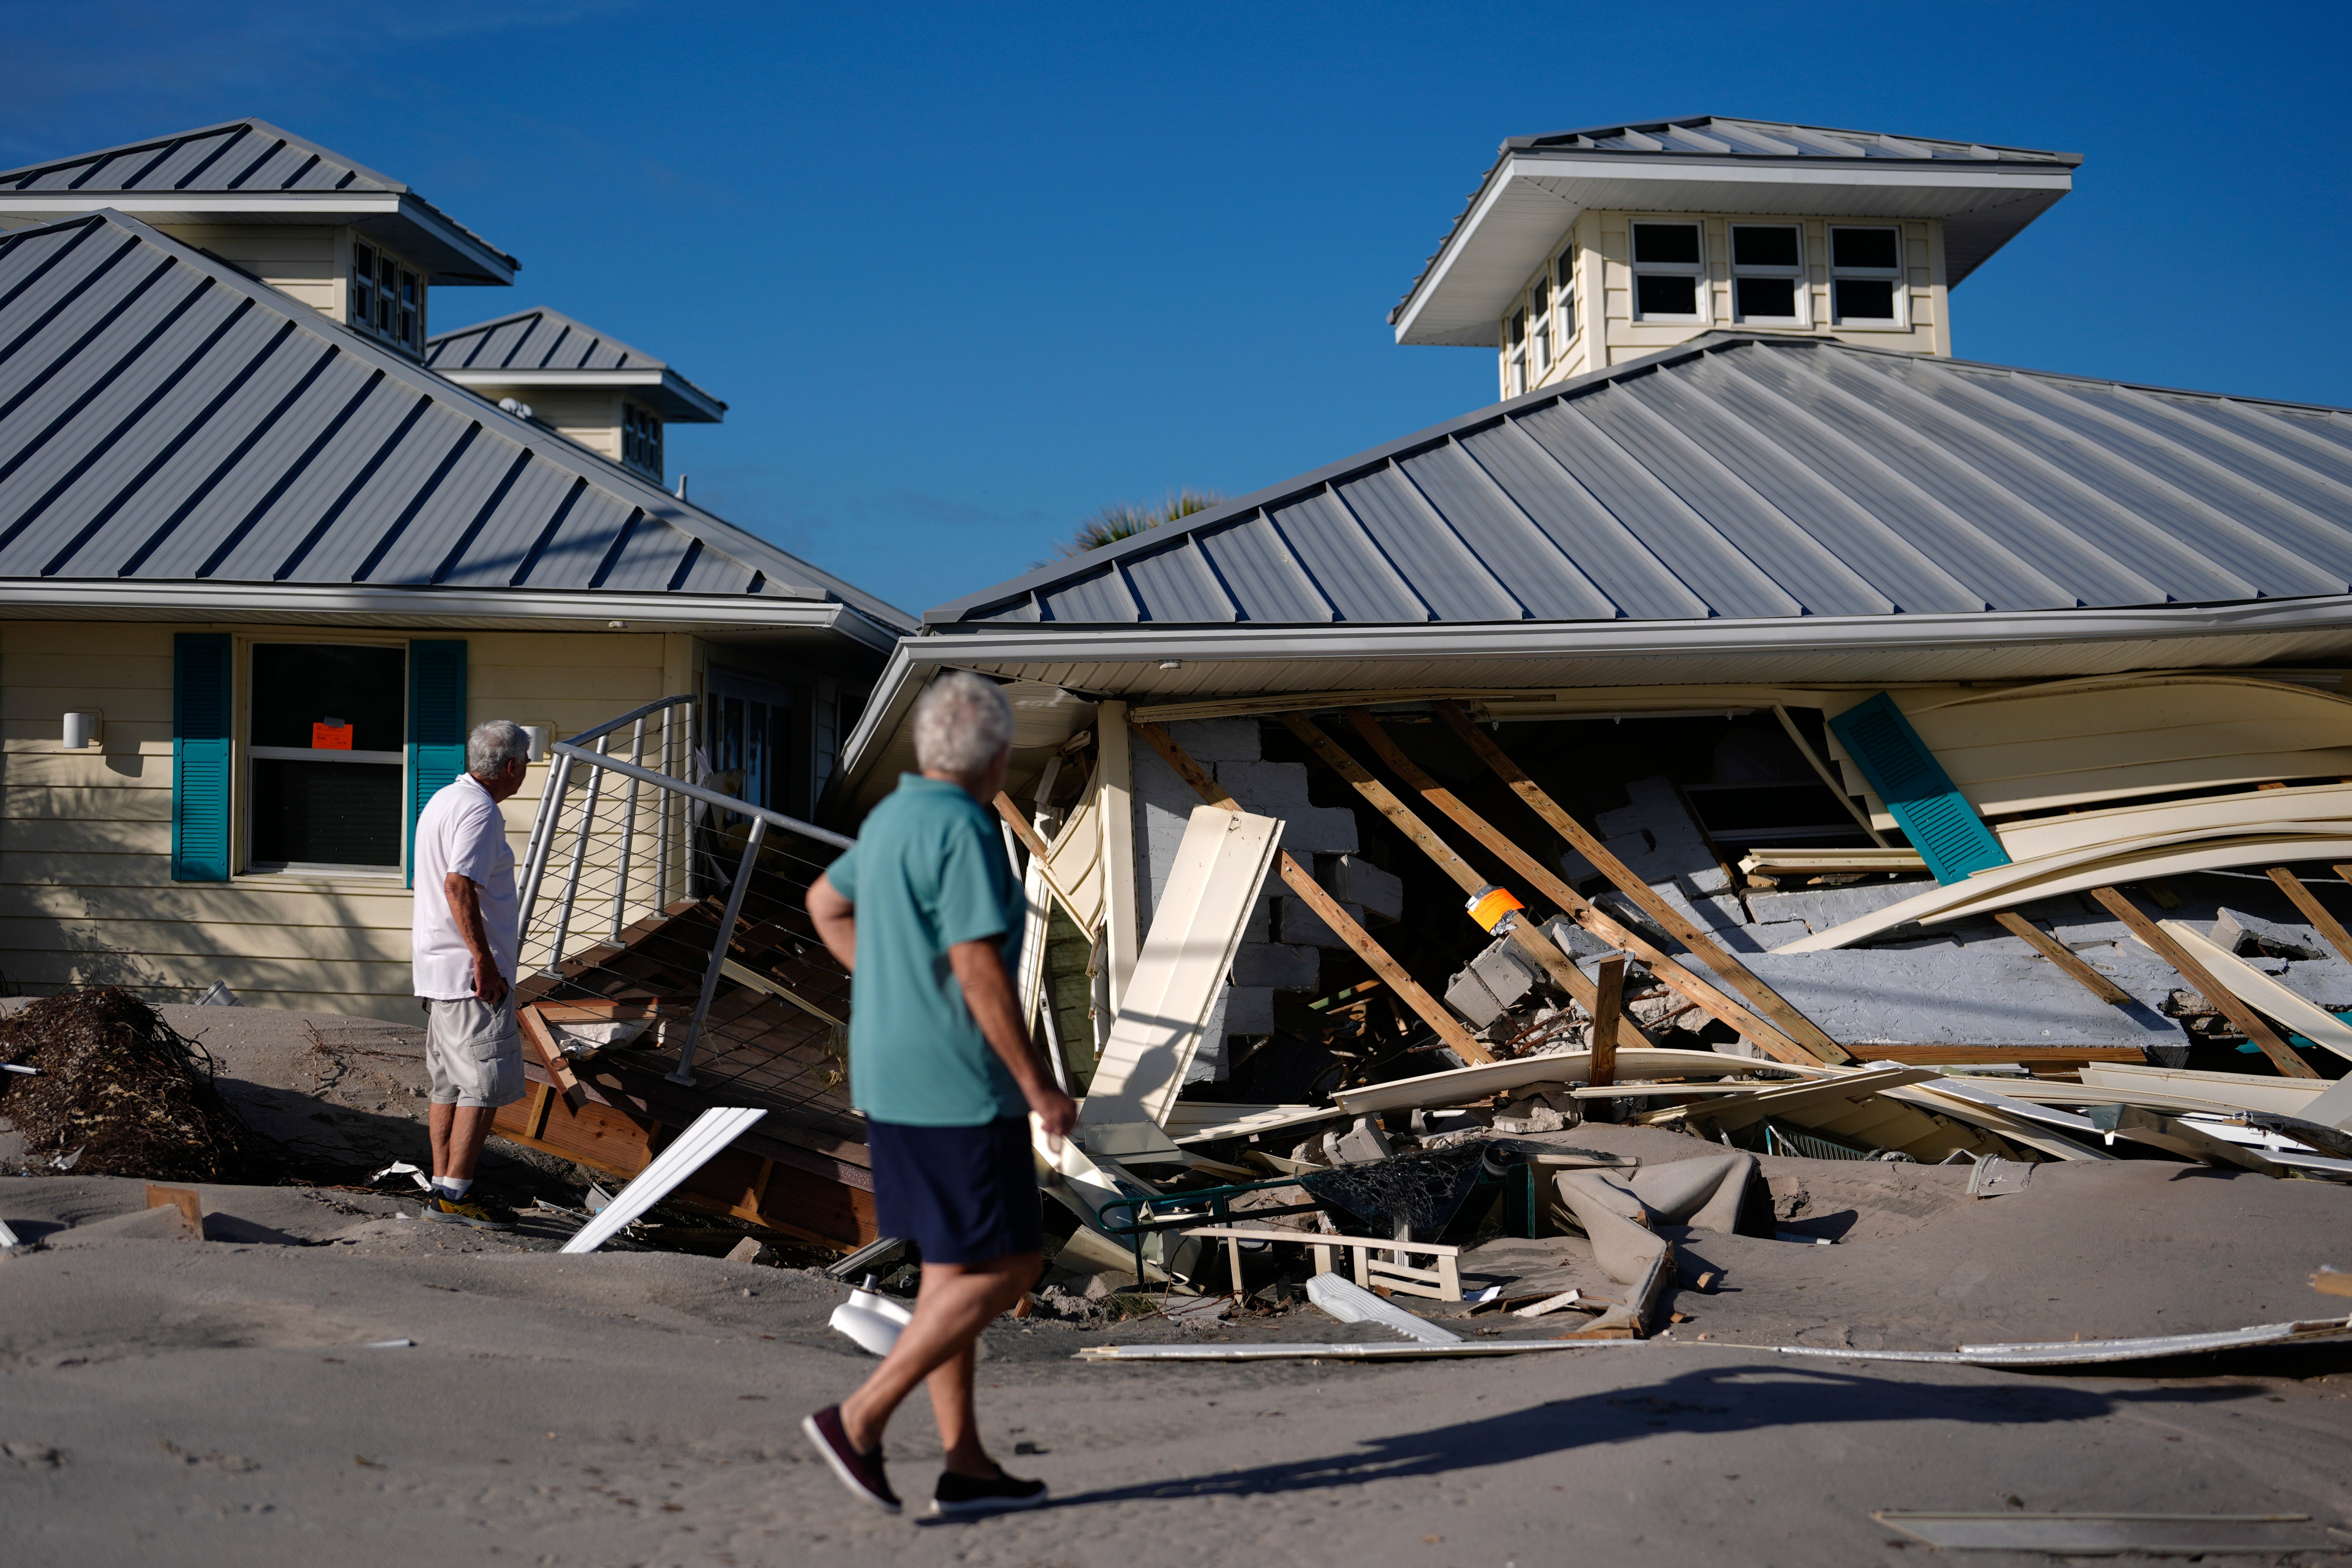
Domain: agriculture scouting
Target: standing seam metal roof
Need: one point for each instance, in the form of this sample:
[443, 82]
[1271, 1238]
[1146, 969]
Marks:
[164, 417]
[1746, 476]
[536, 339]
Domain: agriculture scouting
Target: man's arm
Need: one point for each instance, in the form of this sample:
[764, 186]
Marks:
[988, 991]
[835, 918]
[465, 898]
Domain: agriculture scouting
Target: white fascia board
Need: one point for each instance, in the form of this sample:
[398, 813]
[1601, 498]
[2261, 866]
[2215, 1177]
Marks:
[700, 405]
[1043, 649]
[272, 208]
[82, 599]
[1578, 181]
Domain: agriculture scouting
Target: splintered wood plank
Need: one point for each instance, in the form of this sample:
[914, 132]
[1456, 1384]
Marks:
[1733, 972]
[1432, 1012]
[1609, 988]
[550, 1054]
[2065, 958]
[2201, 980]
[2315, 911]
[1537, 946]
[1576, 907]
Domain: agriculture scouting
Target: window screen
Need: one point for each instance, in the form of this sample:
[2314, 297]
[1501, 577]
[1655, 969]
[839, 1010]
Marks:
[1865, 247]
[1763, 244]
[1765, 299]
[1864, 299]
[1668, 244]
[327, 725]
[1865, 271]
[1668, 261]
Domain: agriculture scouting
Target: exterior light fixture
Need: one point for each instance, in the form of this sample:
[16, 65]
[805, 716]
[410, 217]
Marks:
[84, 729]
[617, 626]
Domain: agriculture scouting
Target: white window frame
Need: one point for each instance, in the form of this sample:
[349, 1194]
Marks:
[249, 753]
[1897, 274]
[652, 435]
[405, 275]
[1514, 351]
[1563, 299]
[1802, 295]
[1701, 294]
[1542, 352]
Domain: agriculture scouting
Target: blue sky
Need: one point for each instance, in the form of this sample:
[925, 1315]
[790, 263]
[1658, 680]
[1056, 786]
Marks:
[967, 274]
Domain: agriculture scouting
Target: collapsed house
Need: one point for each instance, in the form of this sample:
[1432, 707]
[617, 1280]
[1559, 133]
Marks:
[1939, 759]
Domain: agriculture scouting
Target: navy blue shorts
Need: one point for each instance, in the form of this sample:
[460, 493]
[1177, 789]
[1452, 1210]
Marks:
[963, 1195]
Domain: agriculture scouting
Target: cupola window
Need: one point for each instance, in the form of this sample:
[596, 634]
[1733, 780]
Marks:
[1667, 263]
[387, 297]
[1866, 275]
[1767, 272]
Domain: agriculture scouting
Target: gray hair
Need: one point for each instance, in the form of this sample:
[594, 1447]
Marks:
[493, 744]
[962, 724]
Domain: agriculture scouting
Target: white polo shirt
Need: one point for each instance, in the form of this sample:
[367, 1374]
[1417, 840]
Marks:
[461, 829]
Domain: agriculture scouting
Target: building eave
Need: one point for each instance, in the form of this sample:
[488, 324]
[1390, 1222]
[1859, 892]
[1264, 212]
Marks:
[401, 219]
[665, 391]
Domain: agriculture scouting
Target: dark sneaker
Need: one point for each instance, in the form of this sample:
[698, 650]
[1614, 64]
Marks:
[861, 1473]
[464, 1211]
[997, 1494]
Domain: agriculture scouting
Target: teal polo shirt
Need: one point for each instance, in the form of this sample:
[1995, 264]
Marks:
[927, 871]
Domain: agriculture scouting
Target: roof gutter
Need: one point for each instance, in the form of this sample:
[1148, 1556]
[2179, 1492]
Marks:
[984, 644]
[83, 599]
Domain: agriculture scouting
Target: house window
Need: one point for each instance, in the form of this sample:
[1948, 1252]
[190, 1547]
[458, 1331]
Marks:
[1767, 272]
[387, 297]
[1667, 265]
[641, 439]
[1564, 275]
[1866, 276]
[1516, 375]
[1540, 310]
[325, 757]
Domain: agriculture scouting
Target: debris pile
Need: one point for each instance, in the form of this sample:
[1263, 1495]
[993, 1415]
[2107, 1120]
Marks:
[117, 1092]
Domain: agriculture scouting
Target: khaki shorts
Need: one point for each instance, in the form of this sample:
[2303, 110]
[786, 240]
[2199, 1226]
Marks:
[473, 1052]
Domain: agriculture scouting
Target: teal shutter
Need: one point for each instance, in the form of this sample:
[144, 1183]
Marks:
[436, 726]
[1937, 819]
[201, 707]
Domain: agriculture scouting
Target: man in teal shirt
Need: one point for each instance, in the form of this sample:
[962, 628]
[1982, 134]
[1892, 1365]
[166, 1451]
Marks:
[925, 914]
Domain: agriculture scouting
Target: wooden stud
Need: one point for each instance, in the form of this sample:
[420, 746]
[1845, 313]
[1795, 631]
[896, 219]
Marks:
[1191, 771]
[1609, 986]
[1537, 946]
[2201, 980]
[2065, 958]
[1433, 1013]
[1576, 907]
[542, 1096]
[551, 1056]
[1041, 860]
[1734, 974]
[2315, 911]
[185, 1199]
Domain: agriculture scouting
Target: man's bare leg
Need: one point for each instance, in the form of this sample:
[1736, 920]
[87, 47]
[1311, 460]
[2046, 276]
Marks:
[457, 1133]
[957, 1302]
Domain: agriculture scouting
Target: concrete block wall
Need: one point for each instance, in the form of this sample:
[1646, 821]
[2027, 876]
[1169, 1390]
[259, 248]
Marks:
[1283, 943]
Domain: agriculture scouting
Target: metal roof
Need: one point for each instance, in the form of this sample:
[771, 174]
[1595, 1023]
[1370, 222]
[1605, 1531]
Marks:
[1984, 194]
[249, 171]
[539, 347]
[168, 423]
[1747, 476]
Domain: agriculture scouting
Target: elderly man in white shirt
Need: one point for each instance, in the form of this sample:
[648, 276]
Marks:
[465, 937]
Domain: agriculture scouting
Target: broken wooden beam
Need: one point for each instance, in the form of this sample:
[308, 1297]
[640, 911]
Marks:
[1609, 1001]
[1733, 972]
[2201, 980]
[2305, 899]
[1191, 771]
[1546, 952]
[2064, 957]
[1575, 905]
[1432, 1012]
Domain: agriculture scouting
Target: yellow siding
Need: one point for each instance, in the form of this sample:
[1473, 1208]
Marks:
[586, 415]
[86, 894]
[298, 259]
[1607, 334]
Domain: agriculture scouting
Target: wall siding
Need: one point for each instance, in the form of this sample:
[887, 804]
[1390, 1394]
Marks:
[86, 895]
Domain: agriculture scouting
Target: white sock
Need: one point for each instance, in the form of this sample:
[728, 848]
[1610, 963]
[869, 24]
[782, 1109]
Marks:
[452, 1186]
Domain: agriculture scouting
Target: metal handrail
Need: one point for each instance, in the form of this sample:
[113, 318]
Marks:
[610, 725]
[708, 796]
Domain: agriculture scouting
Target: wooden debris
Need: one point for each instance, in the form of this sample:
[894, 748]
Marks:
[1703, 947]
[2064, 957]
[2282, 1056]
[1430, 1010]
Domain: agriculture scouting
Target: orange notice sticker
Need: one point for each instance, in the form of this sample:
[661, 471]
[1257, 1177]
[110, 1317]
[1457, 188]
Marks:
[331, 735]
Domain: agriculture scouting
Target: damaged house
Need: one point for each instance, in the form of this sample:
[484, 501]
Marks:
[1758, 683]
[272, 540]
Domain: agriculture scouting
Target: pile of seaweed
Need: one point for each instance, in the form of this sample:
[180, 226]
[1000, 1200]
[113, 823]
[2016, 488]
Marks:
[120, 1093]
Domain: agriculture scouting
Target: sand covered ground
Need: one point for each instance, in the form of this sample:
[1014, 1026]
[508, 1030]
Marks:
[225, 1401]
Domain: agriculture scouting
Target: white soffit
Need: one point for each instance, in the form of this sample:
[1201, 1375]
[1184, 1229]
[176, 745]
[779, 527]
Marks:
[1530, 200]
